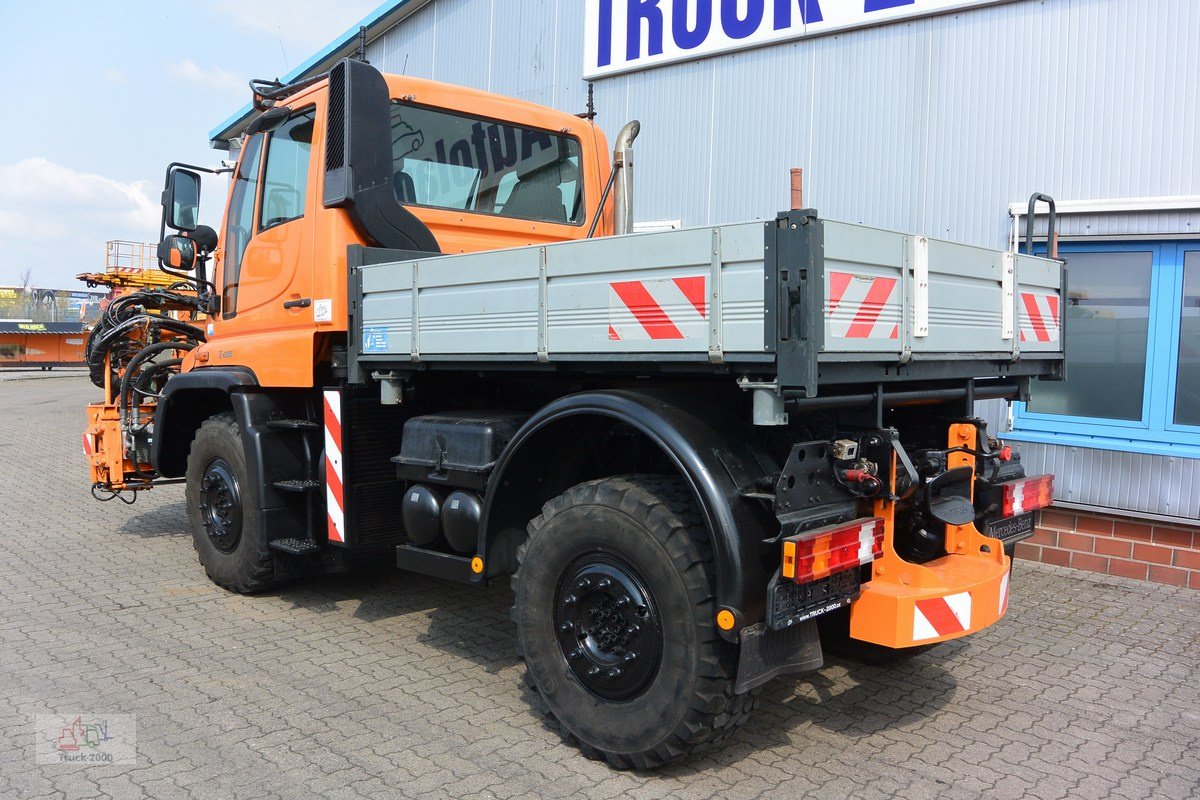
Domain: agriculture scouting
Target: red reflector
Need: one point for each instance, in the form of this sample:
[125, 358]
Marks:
[1027, 494]
[1006, 453]
[819, 553]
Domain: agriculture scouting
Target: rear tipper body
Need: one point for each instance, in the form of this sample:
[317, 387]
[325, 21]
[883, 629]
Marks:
[702, 456]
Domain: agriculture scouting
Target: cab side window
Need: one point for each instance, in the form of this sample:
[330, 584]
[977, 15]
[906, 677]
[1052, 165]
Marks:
[285, 178]
[239, 223]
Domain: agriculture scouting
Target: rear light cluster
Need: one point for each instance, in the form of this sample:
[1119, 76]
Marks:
[1026, 494]
[819, 553]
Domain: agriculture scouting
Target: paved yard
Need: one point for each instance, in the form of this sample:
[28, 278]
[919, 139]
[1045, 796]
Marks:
[389, 685]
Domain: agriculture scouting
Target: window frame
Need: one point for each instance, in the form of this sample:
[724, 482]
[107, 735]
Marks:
[257, 140]
[583, 207]
[1155, 432]
[260, 205]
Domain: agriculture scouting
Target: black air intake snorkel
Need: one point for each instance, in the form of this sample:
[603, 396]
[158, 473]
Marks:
[358, 160]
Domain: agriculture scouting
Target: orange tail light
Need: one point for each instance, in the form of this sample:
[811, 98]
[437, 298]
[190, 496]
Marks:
[819, 553]
[1026, 494]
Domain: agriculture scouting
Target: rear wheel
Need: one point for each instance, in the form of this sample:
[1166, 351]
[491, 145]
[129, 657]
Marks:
[224, 530]
[615, 612]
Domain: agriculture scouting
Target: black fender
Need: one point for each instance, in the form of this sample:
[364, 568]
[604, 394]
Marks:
[272, 454]
[710, 448]
[187, 400]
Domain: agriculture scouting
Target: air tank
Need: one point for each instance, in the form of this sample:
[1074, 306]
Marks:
[460, 520]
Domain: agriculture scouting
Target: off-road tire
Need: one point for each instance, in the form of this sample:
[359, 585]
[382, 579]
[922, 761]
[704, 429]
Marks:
[835, 638]
[249, 565]
[649, 522]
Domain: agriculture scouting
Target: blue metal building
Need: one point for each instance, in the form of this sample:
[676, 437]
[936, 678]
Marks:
[934, 116]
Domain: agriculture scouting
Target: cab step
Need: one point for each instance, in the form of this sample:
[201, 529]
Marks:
[296, 486]
[295, 547]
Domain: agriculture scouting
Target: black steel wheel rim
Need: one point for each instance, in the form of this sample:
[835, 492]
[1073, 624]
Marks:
[608, 626]
[221, 505]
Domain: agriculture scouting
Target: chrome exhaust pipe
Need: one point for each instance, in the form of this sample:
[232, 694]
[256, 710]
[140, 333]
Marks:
[623, 172]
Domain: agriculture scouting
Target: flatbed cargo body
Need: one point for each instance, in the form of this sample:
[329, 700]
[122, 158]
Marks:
[809, 300]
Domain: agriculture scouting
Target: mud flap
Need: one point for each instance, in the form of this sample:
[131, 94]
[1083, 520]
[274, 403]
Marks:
[767, 653]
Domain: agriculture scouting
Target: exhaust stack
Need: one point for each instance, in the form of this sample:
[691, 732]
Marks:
[623, 171]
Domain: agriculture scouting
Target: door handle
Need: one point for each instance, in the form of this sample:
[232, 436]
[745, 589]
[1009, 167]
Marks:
[303, 302]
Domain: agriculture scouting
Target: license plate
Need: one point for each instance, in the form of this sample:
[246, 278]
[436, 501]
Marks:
[789, 603]
[1010, 528]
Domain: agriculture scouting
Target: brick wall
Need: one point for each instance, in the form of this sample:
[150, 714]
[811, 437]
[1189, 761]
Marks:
[1116, 546]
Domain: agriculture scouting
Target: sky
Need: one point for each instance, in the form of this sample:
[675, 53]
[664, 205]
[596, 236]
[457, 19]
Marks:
[101, 95]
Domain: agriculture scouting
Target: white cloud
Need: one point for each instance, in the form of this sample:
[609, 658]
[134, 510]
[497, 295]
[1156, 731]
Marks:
[212, 78]
[114, 75]
[55, 219]
[303, 25]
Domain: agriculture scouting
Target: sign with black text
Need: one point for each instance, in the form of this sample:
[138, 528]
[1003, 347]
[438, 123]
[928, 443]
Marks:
[624, 35]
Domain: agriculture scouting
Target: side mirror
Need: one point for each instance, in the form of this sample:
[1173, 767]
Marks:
[177, 253]
[181, 200]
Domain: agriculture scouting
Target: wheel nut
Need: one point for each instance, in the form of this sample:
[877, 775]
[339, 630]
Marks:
[593, 672]
[623, 601]
[604, 583]
[570, 600]
[630, 657]
[566, 627]
[614, 673]
[575, 654]
[583, 584]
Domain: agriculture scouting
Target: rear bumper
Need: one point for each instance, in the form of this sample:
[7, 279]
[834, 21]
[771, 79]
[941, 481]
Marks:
[954, 596]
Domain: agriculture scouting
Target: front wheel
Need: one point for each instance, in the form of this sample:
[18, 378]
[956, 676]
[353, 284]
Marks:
[615, 613]
[224, 528]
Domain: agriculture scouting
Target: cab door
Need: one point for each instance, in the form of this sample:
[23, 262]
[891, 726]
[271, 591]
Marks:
[266, 318]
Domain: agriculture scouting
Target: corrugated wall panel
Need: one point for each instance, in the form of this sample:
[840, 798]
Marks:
[994, 75]
[750, 178]
[1127, 481]
[464, 35]
[866, 159]
[408, 49]
[523, 37]
[673, 162]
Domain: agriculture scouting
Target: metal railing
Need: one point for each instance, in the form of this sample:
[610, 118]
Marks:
[124, 256]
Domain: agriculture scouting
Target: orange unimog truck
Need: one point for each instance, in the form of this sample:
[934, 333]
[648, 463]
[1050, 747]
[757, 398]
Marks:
[701, 456]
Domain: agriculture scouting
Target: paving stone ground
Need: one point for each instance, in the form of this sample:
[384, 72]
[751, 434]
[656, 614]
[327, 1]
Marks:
[389, 685]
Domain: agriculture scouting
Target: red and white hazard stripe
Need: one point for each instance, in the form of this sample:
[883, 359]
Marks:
[936, 617]
[1004, 592]
[674, 308]
[855, 304]
[1039, 317]
[88, 449]
[334, 497]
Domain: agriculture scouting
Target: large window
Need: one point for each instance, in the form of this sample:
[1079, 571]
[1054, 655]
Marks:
[239, 223]
[462, 163]
[1133, 352]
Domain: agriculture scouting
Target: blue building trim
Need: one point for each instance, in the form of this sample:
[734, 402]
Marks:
[380, 17]
[1155, 432]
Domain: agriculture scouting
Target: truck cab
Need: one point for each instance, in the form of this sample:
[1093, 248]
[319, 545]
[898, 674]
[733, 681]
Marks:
[453, 170]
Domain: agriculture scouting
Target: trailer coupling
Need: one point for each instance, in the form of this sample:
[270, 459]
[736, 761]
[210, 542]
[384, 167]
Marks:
[899, 543]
